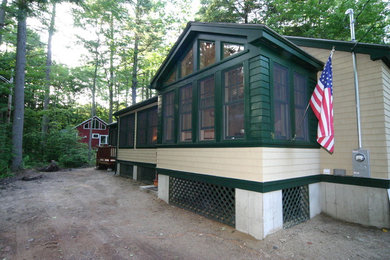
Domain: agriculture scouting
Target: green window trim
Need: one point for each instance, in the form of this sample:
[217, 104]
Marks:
[185, 113]
[206, 109]
[206, 48]
[147, 123]
[241, 48]
[168, 117]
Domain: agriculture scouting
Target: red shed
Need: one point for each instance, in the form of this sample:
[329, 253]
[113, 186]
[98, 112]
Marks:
[99, 131]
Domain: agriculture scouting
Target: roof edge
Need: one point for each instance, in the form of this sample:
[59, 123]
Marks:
[137, 105]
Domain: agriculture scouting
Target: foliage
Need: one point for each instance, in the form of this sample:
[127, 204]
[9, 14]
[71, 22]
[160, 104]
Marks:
[5, 149]
[307, 18]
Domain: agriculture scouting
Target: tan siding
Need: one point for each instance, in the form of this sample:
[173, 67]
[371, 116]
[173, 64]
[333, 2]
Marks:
[373, 97]
[138, 155]
[254, 164]
[386, 92]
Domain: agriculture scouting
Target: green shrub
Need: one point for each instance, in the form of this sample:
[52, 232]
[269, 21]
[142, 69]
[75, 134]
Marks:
[5, 149]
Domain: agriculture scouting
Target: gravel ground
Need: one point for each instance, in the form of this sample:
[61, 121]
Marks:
[90, 214]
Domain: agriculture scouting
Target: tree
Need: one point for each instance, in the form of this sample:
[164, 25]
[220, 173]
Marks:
[18, 118]
[2, 18]
[308, 18]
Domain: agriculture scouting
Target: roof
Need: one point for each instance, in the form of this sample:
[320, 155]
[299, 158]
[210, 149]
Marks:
[254, 33]
[98, 118]
[136, 106]
[376, 51]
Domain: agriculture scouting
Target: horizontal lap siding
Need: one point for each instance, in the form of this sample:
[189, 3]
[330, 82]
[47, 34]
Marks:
[138, 155]
[253, 164]
[239, 163]
[386, 93]
[285, 163]
[372, 108]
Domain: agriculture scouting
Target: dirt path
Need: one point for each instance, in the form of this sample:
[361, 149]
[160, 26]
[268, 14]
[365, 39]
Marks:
[89, 214]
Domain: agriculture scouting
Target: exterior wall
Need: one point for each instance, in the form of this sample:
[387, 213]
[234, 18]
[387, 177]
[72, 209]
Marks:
[374, 104]
[138, 155]
[386, 92]
[254, 164]
[84, 134]
[363, 205]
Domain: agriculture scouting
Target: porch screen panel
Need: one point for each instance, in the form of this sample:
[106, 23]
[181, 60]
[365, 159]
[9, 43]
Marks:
[168, 117]
[185, 110]
[281, 102]
[301, 101]
[142, 117]
[206, 109]
[126, 131]
[234, 103]
[152, 126]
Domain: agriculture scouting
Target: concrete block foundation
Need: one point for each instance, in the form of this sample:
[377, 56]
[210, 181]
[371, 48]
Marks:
[163, 187]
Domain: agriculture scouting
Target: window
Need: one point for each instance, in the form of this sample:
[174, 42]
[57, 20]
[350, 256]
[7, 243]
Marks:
[126, 131]
[230, 49]
[206, 53]
[152, 127]
[172, 77]
[147, 127]
[103, 139]
[187, 64]
[168, 117]
[281, 102]
[113, 136]
[86, 126]
[300, 101]
[96, 124]
[185, 111]
[206, 109]
[234, 103]
[95, 136]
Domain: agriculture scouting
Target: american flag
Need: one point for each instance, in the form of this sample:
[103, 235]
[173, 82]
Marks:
[321, 103]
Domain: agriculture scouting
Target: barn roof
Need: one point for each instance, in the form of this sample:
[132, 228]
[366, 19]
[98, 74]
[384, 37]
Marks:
[89, 119]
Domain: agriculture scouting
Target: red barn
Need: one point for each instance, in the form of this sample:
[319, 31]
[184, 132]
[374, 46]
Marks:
[99, 131]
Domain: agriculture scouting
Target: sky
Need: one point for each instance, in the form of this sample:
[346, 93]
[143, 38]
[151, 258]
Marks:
[66, 50]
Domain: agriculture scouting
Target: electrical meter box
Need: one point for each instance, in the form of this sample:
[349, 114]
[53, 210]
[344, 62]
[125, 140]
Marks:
[361, 163]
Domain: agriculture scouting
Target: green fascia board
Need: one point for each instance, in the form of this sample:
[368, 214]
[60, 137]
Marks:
[253, 32]
[270, 186]
[136, 106]
[376, 51]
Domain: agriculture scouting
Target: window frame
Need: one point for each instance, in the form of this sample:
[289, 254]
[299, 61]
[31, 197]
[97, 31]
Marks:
[223, 104]
[199, 119]
[233, 43]
[100, 139]
[164, 118]
[148, 111]
[180, 114]
[95, 136]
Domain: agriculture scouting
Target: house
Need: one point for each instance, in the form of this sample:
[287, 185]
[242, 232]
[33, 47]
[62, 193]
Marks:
[233, 140]
[99, 131]
[136, 146]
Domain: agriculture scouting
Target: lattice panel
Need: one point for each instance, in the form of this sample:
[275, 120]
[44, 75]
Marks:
[295, 206]
[209, 200]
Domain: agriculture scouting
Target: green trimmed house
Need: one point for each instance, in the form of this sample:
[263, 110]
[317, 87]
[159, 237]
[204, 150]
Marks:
[233, 140]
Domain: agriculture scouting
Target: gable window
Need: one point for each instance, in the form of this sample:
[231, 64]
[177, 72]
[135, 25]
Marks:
[206, 53]
[187, 64]
[172, 77]
[147, 127]
[300, 102]
[234, 103]
[206, 109]
[168, 117]
[281, 102]
[230, 49]
[185, 112]
[126, 131]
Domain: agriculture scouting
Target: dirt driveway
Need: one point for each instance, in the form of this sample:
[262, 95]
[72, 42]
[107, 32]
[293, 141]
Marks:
[89, 214]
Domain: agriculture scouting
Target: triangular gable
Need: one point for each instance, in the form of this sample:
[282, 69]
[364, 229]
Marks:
[95, 117]
[253, 33]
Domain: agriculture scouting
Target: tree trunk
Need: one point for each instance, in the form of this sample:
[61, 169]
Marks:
[18, 119]
[111, 85]
[93, 108]
[2, 18]
[45, 119]
[134, 81]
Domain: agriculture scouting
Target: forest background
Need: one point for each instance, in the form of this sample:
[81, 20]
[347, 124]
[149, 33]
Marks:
[123, 44]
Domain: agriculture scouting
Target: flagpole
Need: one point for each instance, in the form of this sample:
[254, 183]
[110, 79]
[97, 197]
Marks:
[356, 80]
